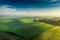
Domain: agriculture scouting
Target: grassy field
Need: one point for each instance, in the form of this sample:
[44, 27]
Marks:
[50, 34]
[28, 29]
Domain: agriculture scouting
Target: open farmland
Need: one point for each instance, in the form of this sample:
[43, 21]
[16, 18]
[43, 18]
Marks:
[27, 29]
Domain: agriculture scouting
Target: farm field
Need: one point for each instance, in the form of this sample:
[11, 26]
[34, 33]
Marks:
[29, 29]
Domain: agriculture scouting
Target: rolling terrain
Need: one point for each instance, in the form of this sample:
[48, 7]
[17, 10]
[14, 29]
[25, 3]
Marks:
[27, 29]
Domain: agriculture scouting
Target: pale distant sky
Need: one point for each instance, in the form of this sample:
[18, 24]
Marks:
[4, 10]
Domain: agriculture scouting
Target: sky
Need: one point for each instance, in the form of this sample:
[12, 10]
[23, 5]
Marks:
[29, 7]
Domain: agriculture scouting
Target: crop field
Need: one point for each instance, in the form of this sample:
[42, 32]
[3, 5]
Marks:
[29, 29]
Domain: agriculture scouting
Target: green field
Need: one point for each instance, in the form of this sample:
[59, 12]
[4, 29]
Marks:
[27, 29]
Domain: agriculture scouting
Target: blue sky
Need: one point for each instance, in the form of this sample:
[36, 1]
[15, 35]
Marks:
[34, 7]
[30, 3]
